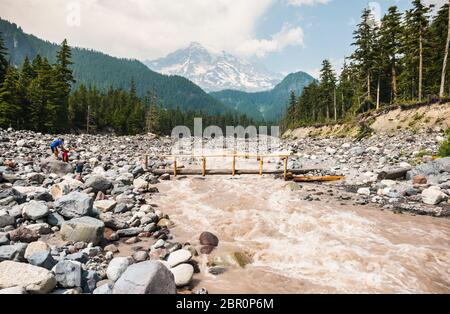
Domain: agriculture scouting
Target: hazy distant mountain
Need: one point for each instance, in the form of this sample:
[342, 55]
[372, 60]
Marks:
[103, 71]
[268, 105]
[215, 71]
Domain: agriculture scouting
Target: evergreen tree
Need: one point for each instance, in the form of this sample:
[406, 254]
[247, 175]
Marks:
[62, 82]
[25, 78]
[40, 93]
[328, 88]
[445, 59]
[9, 108]
[390, 41]
[364, 38]
[3, 60]
[416, 27]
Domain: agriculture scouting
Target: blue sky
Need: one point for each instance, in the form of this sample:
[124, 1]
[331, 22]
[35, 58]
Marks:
[328, 32]
[284, 35]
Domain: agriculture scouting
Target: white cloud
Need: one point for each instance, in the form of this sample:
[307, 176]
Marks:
[142, 29]
[307, 2]
[149, 29]
[288, 36]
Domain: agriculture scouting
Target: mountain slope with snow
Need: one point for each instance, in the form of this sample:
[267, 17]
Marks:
[215, 71]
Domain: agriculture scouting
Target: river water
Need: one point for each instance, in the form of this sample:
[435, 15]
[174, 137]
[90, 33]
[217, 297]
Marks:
[306, 247]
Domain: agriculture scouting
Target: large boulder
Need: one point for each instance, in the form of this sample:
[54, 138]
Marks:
[431, 169]
[149, 277]
[98, 183]
[85, 229]
[32, 278]
[117, 267]
[60, 168]
[35, 210]
[74, 205]
[433, 196]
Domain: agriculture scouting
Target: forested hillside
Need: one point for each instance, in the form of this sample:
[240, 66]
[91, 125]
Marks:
[38, 95]
[92, 68]
[401, 59]
[267, 105]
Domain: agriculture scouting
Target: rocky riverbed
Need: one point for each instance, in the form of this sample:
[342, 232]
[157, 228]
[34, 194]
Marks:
[105, 233]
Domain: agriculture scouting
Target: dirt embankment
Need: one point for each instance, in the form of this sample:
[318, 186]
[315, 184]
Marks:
[434, 117]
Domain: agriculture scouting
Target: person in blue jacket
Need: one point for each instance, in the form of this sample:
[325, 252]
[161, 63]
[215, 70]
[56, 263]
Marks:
[57, 143]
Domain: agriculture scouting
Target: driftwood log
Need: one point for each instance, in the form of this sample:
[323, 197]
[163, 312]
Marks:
[318, 178]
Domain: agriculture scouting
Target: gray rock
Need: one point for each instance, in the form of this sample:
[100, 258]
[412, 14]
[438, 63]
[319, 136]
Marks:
[6, 220]
[7, 253]
[35, 210]
[140, 256]
[13, 290]
[85, 229]
[113, 222]
[150, 227]
[130, 232]
[51, 165]
[55, 219]
[80, 257]
[179, 257]
[16, 195]
[42, 259]
[4, 239]
[89, 281]
[104, 289]
[13, 252]
[433, 196]
[68, 274]
[121, 208]
[183, 274]
[98, 183]
[432, 168]
[74, 205]
[117, 267]
[146, 278]
[32, 278]
[44, 196]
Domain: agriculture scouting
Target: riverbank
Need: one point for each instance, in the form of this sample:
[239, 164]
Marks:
[122, 229]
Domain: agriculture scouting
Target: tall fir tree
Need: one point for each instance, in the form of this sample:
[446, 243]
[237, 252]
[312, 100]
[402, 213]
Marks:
[391, 32]
[364, 37]
[328, 88]
[62, 84]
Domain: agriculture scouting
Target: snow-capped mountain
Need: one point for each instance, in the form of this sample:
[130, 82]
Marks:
[215, 71]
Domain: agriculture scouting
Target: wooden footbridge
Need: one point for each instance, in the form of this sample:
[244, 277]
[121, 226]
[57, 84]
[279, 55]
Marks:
[288, 174]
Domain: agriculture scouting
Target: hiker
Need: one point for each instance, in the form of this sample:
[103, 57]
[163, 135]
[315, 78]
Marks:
[65, 155]
[54, 146]
[79, 169]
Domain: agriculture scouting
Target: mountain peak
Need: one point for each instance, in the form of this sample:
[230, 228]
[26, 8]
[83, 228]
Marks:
[215, 71]
[196, 45]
